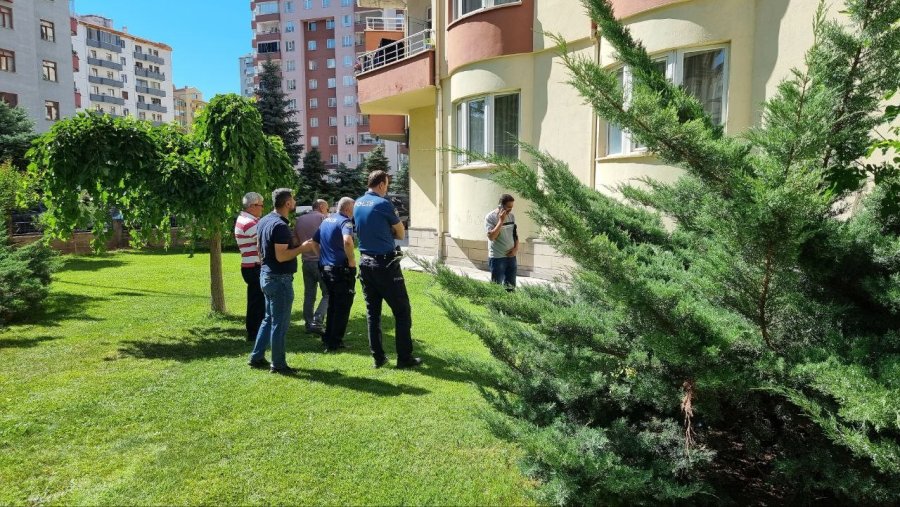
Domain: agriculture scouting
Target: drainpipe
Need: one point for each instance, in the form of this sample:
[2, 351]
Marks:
[438, 26]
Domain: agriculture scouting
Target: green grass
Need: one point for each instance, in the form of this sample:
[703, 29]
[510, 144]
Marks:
[125, 391]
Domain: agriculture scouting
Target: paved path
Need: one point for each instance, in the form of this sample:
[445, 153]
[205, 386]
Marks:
[477, 274]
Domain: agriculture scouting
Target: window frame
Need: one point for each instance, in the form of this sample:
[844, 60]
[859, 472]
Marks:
[9, 57]
[6, 17]
[485, 5]
[49, 71]
[48, 30]
[460, 111]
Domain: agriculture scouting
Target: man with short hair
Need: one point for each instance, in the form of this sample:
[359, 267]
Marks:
[304, 227]
[337, 263]
[245, 235]
[503, 242]
[278, 256]
[378, 226]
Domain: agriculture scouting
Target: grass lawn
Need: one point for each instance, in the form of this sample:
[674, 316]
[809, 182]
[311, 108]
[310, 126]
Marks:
[125, 391]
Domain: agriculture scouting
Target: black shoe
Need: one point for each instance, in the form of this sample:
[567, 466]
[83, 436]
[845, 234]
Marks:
[287, 370]
[261, 364]
[409, 363]
[315, 330]
[342, 345]
[380, 362]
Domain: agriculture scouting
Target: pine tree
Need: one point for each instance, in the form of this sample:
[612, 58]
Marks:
[277, 115]
[312, 180]
[16, 134]
[348, 182]
[400, 181]
[749, 353]
[376, 161]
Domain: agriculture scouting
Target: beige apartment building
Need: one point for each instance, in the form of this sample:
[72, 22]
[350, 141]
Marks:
[472, 72]
[188, 104]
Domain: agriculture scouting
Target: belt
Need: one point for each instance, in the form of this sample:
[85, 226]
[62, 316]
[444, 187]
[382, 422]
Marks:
[380, 257]
[329, 269]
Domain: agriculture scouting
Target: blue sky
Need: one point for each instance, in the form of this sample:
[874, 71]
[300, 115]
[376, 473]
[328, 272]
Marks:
[207, 36]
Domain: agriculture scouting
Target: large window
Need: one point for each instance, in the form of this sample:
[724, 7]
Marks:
[7, 60]
[51, 110]
[463, 7]
[49, 71]
[488, 124]
[6, 17]
[702, 72]
[48, 31]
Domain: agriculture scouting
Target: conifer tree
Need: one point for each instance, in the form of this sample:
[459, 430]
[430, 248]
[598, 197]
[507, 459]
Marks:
[312, 178]
[400, 181]
[16, 134]
[748, 353]
[348, 182]
[376, 161]
[277, 115]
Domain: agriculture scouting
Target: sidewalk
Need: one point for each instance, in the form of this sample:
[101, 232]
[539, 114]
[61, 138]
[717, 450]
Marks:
[407, 264]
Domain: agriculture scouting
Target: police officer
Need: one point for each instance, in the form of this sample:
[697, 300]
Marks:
[337, 266]
[378, 225]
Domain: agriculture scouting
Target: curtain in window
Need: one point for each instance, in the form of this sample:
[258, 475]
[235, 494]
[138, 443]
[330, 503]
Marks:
[506, 125]
[475, 125]
[704, 78]
[614, 132]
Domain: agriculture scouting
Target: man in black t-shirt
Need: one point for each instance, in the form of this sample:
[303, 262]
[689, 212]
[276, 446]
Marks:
[278, 256]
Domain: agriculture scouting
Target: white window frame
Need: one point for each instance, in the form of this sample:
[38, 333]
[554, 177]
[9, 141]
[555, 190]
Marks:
[460, 110]
[485, 4]
[675, 74]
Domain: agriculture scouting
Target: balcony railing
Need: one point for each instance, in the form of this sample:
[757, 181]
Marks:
[108, 99]
[152, 107]
[106, 81]
[147, 57]
[395, 24]
[104, 45]
[150, 91]
[109, 64]
[394, 52]
[149, 73]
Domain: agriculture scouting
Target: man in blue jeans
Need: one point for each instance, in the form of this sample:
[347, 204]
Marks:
[503, 242]
[278, 256]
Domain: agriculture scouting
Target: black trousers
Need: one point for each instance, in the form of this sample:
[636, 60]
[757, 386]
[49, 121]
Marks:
[340, 285]
[382, 281]
[256, 302]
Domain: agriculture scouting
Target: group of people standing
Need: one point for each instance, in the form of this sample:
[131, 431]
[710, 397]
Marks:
[269, 251]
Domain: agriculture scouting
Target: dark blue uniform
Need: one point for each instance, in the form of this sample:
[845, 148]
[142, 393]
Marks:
[380, 275]
[339, 277]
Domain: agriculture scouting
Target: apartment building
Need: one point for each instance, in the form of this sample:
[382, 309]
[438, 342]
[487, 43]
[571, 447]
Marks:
[36, 62]
[315, 42]
[188, 104]
[247, 78]
[473, 72]
[121, 74]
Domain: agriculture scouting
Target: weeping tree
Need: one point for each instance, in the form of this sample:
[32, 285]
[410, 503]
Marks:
[153, 173]
[748, 353]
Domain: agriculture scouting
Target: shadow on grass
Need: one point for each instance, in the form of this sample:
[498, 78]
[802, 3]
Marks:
[90, 263]
[63, 306]
[201, 343]
[131, 291]
[24, 343]
[366, 385]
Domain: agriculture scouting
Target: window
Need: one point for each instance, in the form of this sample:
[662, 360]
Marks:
[326, 4]
[313, 84]
[6, 17]
[311, 45]
[314, 103]
[330, 63]
[334, 159]
[11, 99]
[51, 110]
[290, 65]
[488, 125]
[290, 45]
[109, 74]
[349, 100]
[351, 139]
[463, 7]
[95, 90]
[332, 140]
[314, 141]
[48, 70]
[142, 115]
[311, 26]
[7, 60]
[261, 47]
[349, 120]
[332, 121]
[329, 24]
[347, 41]
[349, 157]
[346, 3]
[122, 61]
[332, 102]
[332, 82]
[347, 20]
[329, 43]
[291, 84]
[701, 72]
[313, 64]
[292, 103]
[313, 122]
[348, 80]
[289, 27]
[307, 4]
[289, 6]
[348, 61]
[267, 8]
[48, 31]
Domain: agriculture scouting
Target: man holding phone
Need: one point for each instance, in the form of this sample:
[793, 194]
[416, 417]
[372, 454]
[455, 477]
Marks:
[503, 242]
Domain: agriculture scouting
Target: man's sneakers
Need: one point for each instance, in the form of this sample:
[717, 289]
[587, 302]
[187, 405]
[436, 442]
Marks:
[380, 362]
[315, 329]
[412, 362]
[261, 364]
[287, 370]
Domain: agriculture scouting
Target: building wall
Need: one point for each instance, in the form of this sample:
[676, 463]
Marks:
[247, 73]
[30, 50]
[188, 104]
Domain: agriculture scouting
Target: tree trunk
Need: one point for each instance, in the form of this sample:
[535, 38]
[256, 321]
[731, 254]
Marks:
[216, 283]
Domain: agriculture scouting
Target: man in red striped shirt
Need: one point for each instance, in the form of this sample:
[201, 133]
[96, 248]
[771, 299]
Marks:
[245, 234]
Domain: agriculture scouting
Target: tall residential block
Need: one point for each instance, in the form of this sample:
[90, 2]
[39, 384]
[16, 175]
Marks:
[121, 74]
[247, 68]
[36, 59]
[476, 73]
[188, 104]
[315, 44]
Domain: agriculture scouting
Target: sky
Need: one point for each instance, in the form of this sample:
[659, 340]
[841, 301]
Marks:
[206, 36]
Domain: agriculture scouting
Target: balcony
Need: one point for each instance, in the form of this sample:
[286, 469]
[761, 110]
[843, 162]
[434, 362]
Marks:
[159, 76]
[109, 64]
[395, 24]
[106, 81]
[150, 91]
[152, 107]
[266, 36]
[398, 76]
[149, 58]
[382, 4]
[109, 99]
[104, 45]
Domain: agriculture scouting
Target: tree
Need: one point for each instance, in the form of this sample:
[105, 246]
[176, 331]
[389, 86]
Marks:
[152, 173]
[746, 354]
[16, 134]
[277, 115]
[312, 180]
[348, 182]
[376, 161]
[400, 181]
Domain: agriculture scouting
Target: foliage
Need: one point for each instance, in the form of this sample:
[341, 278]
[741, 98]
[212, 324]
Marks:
[376, 161]
[348, 182]
[16, 134]
[312, 180]
[400, 181]
[749, 352]
[277, 115]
